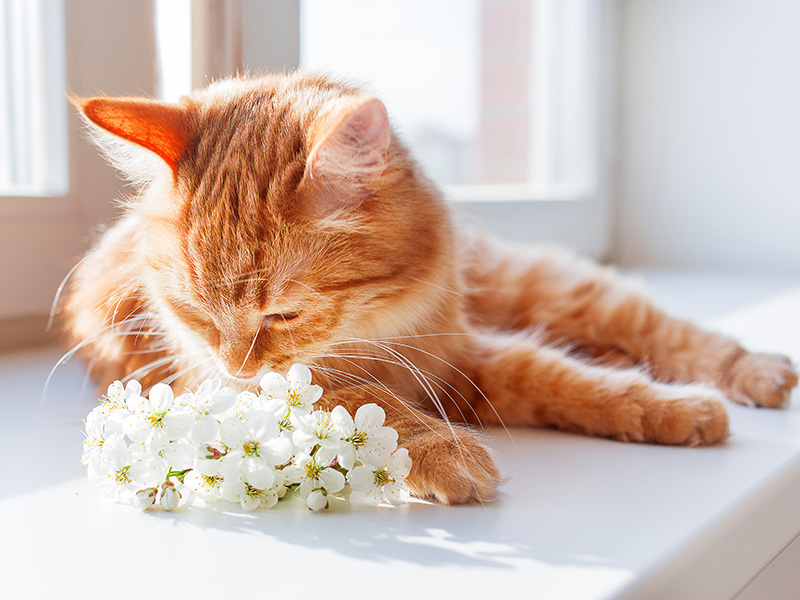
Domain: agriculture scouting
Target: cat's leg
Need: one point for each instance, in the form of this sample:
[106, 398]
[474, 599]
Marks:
[574, 299]
[450, 464]
[527, 383]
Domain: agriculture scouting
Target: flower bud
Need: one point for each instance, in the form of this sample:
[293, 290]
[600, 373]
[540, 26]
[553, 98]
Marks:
[316, 500]
[170, 497]
[212, 453]
[145, 498]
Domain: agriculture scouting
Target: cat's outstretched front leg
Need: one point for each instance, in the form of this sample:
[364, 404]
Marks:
[577, 301]
[450, 464]
[527, 383]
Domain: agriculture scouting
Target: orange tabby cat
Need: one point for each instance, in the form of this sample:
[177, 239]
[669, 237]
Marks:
[280, 221]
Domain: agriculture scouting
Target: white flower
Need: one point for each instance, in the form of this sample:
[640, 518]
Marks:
[245, 448]
[314, 429]
[180, 454]
[118, 395]
[295, 390]
[107, 419]
[314, 473]
[363, 438]
[151, 421]
[95, 425]
[249, 496]
[256, 447]
[372, 484]
[245, 402]
[205, 405]
[205, 486]
[122, 473]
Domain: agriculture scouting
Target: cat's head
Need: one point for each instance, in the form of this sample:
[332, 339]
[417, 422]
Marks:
[277, 217]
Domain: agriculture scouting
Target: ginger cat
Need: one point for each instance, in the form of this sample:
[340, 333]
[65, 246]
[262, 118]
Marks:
[279, 220]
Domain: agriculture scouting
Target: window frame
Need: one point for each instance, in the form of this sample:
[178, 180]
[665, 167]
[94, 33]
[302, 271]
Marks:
[42, 236]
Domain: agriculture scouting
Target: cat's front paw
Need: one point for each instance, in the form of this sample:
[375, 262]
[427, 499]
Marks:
[687, 415]
[452, 468]
[757, 379]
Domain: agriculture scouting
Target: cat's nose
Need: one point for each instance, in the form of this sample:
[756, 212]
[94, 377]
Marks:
[244, 374]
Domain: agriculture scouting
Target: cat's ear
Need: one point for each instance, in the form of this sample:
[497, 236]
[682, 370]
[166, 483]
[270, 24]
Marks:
[158, 127]
[352, 142]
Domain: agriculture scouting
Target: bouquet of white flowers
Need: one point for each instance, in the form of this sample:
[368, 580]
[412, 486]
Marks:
[250, 448]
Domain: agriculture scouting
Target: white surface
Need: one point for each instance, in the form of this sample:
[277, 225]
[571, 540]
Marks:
[709, 134]
[579, 518]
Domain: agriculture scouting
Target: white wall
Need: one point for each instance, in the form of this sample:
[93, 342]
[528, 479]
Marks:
[709, 164]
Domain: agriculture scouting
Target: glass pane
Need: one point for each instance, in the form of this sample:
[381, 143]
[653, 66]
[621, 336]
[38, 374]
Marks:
[484, 91]
[32, 111]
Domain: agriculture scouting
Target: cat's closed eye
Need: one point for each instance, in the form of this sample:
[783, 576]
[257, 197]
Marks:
[279, 318]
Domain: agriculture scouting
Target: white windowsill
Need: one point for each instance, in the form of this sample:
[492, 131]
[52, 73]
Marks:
[579, 518]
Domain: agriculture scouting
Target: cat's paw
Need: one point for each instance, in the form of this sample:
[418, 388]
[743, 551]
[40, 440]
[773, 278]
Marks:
[452, 468]
[761, 380]
[688, 415]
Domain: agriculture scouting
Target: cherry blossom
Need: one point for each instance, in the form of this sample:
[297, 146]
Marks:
[372, 484]
[363, 437]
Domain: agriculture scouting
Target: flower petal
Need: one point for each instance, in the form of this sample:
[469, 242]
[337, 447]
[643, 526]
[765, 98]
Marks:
[233, 432]
[132, 388]
[231, 489]
[261, 425]
[361, 478]
[138, 404]
[222, 400]
[205, 430]
[316, 500]
[258, 474]
[370, 497]
[332, 480]
[249, 503]
[276, 451]
[400, 463]
[299, 376]
[161, 397]
[347, 455]
[342, 421]
[274, 384]
[178, 423]
[369, 415]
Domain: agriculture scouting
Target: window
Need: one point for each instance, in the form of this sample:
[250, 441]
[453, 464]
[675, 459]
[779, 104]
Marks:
[501, 101]
[54, 187]
[496, 98]
[33, 153]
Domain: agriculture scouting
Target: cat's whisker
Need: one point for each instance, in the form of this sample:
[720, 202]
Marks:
[418, 374]
[462, 450]
[422, 380]
[349, 378]
[181, 373]
[249, 350]
[153, 365]
[465, 377]
[437, 287]
[87, 341]
[60, 291]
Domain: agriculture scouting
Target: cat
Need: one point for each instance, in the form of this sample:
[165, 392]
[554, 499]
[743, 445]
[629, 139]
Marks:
[279, 220]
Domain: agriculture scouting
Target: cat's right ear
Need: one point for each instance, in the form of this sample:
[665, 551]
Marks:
[351, 142]
[125, 127]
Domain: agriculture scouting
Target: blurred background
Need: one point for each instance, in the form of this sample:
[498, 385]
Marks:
[649, 134]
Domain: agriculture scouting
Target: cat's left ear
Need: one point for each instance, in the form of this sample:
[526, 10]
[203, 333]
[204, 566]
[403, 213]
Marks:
[351, 143]
[155, 126]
